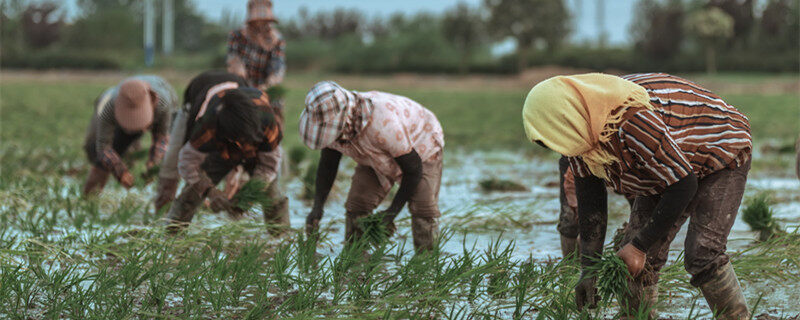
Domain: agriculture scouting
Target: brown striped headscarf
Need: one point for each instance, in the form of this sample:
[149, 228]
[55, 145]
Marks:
[333, 113]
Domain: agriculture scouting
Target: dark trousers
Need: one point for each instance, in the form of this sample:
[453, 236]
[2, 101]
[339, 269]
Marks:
[711, 214]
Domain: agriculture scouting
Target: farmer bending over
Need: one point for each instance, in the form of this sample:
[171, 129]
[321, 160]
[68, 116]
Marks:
[680, 149]
[121, 115]
[391, 138]
[224, 124]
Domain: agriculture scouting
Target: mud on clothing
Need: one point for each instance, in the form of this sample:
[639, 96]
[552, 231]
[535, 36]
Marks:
[366, 193]
[711, 215]
[106, 141]
[201, 139]
[265, 67]
[397, 125]
[186, 123]
[690, 130]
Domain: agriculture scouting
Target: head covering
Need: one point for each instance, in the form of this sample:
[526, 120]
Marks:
[332, 113]
[260, 10]
[574, 114]
[133, 107]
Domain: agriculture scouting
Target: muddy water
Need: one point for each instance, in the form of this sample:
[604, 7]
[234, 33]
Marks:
[529, 218]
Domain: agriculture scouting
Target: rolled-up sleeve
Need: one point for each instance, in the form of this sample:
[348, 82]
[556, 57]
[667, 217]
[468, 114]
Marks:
[189, 162]
[268, 165]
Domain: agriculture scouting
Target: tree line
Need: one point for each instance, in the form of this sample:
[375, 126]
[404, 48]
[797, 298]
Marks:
[667, 35]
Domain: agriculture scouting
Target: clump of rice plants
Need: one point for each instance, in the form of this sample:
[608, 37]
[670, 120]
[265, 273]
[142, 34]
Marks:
[374, 230]
[150, 174]
[252, 193]
[494, 184]
[297, 154]
[277, 92]
[612, 276]
[758, 215]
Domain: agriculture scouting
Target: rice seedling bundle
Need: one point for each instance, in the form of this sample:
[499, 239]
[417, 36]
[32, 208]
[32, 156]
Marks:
[252, 193]
[375, 232]
[612, 276]
[758, 215]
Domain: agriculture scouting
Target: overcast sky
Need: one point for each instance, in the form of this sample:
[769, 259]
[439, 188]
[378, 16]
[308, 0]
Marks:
[618, 13]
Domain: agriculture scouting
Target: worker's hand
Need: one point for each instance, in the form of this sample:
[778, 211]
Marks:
[633, 258]
[586, 292]
[388, 221]
[165, 191]
[126, 180]
[312, 221]
[218, 201]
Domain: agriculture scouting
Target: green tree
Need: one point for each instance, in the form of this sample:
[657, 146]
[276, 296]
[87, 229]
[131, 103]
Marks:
[656, 30]
[711, 27]
[780, 25]
[464, 28]
[528, 21]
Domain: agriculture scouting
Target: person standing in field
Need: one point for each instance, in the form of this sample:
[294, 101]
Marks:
[256, 51]
[391, 138]
[224, 124]
[121, 115]
[679, 148]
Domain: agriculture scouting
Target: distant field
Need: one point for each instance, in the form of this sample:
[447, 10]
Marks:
[474, 114]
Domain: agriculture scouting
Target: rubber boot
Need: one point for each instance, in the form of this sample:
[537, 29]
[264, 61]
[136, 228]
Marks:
[182, 211]
[96, 181]
[425, 232]
[352, 231]
[277, 216]
[640, 299]
[568, 246]
[724, 296]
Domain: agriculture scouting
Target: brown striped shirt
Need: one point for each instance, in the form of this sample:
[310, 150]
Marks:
[690, 130]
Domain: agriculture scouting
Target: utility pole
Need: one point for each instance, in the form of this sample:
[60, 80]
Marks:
[168, 27]
[149, 32]
[601, 23]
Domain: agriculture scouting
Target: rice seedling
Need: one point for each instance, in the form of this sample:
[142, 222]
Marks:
[612, 276]
[374, 230]
[252, 193]
[758, 215]
[495, 184]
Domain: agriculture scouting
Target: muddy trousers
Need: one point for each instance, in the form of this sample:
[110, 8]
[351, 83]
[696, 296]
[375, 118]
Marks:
[216, 168]
[711, 215]
[366, 193]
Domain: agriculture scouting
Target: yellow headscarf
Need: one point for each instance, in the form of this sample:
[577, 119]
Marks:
[574, 114]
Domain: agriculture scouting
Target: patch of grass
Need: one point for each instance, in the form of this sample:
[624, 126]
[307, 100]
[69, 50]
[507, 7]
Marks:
[495, 184]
